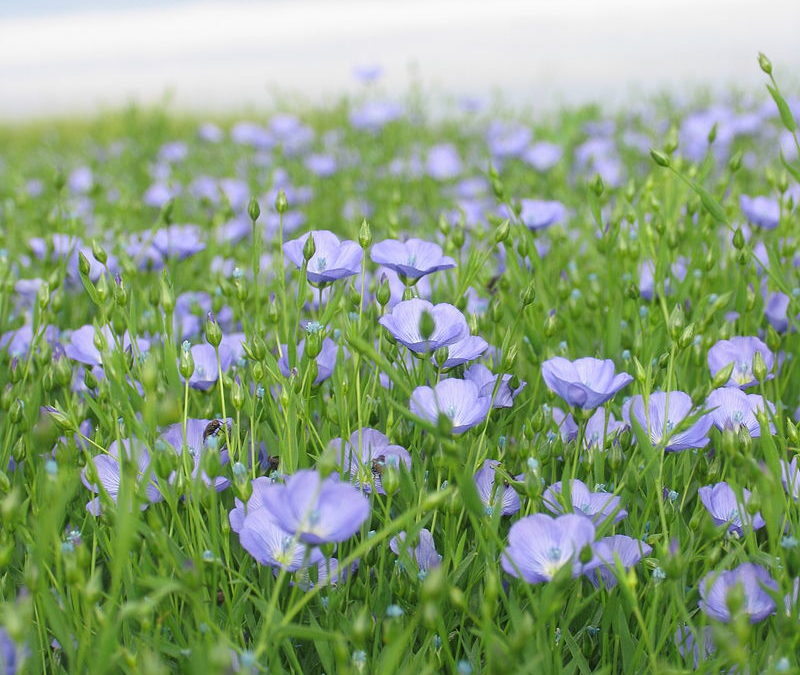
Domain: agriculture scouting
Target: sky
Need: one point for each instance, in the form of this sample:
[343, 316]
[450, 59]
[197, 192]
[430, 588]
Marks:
[59, 57]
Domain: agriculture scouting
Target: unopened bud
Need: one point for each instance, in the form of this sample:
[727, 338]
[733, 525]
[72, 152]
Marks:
[186, 364]
[99, 252]
[427, 325]
[660, 158]
[364, 235]
[764, 63]
[213, 331]
[281, 203]
[738, 239]
[529, 294]
[253, 209]
[83, 264]
[309, 248]
[502, 232]
[759, 367]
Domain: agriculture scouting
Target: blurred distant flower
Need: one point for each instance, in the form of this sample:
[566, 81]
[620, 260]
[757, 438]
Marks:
[726, 508]
[369, 72]
[761, 211]
[751, 579]
[740, 351]
[374, 115]
[585, 383]
[272, 545]
[321, 165]
[366, 455]
[108, 472]
[210, 132]
[567, 427]
[496, 496]
[539, 546]
[202, 436]
[81, 346]
[317, 510]
[326, 360]
[411, 259]
[458, 400]
[543, 156]
[444, 162]
[790, 477]
[332, 259]
[607, 551]
[12, 655]
[424, 553]
[597, 426]
[206, 372]
[688, 646]
[776, 307]
[598, 506]
[665, 411]
[538, 214]
[468, 349]
[486, 381]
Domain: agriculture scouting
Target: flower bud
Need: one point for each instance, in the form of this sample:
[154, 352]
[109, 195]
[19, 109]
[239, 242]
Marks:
[313, 345]
[309, 248]
[660, 158]
[426, 325]
[390, 479]
[186, 364]
[502, 232]
[166, 295]
[99, 252]
[597, 185]
[384, 293]
[676, 322]
[281, 203]
[529, 294]
[738, 239]
[17, 411]
[43, 295]
[735, 162]
[759, 367]
[712, 134]
[253, 209]
[237, 394]
[550, 325]
[83, 264]
[364, 235]
[764, 63]
[686, 336]
[213, 331]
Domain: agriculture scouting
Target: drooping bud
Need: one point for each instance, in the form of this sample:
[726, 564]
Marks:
[764, 63]
[99, 252]
[660, 158]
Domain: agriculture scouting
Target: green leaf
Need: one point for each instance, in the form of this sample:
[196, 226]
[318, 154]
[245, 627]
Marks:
[783, 108]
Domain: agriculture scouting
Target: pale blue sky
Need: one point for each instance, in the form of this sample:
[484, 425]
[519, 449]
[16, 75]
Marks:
[59, 57]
